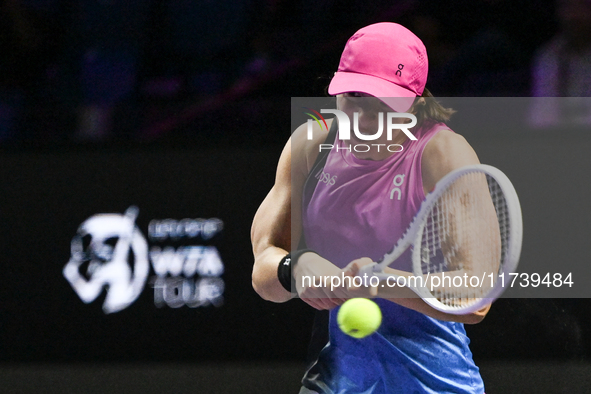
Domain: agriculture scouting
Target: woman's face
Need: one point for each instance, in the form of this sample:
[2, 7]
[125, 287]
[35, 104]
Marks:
[368, 109]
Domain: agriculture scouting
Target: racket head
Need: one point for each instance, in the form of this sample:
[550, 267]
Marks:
[468, 232]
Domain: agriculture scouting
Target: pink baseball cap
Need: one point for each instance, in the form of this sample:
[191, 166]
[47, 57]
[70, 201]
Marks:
[385, 60]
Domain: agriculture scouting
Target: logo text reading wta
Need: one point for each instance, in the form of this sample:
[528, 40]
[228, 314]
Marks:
[344, 125]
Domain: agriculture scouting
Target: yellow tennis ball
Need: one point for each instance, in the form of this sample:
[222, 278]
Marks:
[359, 317]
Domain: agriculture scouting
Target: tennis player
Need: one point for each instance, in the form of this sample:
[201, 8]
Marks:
[361, 205]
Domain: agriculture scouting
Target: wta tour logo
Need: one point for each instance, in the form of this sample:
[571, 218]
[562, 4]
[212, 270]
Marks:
[344, 129]
[110, 253]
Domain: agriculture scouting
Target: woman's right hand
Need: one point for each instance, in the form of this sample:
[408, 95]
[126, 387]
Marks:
[318, 282]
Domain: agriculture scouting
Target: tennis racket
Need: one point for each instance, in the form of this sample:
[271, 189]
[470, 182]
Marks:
[467, 232]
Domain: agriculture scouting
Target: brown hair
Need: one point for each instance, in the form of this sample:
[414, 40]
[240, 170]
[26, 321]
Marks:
[427, 108]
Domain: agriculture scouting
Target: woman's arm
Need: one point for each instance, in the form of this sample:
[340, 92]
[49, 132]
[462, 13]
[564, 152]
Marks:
[447, 151]
[277, 224]
[271, 233]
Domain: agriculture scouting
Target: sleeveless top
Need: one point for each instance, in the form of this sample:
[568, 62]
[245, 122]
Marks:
[360, 208]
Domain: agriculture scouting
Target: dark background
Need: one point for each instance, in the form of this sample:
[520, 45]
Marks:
[181, 71]
[196, 97]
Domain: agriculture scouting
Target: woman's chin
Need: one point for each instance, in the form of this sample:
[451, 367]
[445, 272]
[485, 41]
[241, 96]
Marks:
[371, 154]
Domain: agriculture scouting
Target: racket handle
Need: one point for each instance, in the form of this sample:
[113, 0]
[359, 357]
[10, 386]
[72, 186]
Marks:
[368, 270]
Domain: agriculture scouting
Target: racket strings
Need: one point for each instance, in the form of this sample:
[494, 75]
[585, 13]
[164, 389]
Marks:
[463, 240]
[502, 210]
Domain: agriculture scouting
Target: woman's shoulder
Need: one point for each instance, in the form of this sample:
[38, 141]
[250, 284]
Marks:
[445, 152]
[445, 145]
[306, 144]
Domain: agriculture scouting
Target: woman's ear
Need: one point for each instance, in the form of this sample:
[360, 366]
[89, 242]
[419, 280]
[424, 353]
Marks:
[419, 102]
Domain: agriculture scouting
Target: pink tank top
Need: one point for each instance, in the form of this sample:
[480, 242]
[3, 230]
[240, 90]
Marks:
[360, 208]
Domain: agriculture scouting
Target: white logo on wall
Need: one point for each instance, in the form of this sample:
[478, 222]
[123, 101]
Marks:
[187, 275]
[109, 252]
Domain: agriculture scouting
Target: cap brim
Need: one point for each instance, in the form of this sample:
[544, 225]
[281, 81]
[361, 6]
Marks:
[396, 97]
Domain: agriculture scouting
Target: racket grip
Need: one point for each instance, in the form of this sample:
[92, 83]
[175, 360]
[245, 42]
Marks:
[368, 270]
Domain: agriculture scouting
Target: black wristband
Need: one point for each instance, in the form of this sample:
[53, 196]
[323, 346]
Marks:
[284, 270]
[284, 273]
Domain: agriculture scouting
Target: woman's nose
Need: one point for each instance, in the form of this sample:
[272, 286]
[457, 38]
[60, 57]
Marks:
[367, 118]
